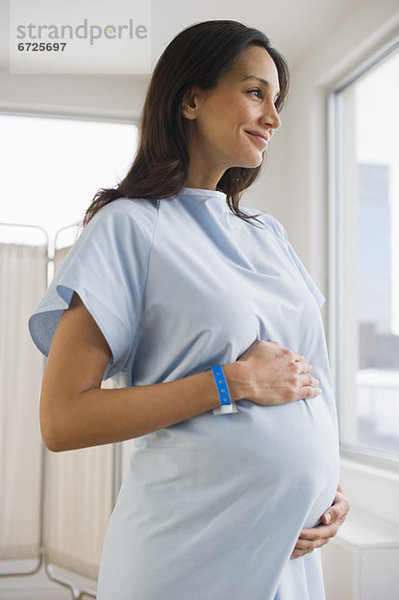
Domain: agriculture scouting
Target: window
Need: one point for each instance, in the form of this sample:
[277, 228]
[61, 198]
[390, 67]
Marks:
[52, 167]
[364, 255]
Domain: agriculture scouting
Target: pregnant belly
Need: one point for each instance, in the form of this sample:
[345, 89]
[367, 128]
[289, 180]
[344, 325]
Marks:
[281, 456]
[221, 499]
[293, 449]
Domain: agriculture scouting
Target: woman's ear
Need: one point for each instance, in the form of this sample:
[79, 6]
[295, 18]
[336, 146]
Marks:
[189, 104]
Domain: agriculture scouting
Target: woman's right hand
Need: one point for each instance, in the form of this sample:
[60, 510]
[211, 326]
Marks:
[272, 375]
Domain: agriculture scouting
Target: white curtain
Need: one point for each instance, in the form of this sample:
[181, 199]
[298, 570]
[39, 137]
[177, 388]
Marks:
[23, 272]
[78, 505]
[79, 485]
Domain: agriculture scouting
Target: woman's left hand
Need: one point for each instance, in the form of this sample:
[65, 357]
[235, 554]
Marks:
[332, 519]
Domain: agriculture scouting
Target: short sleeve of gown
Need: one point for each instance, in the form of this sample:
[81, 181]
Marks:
[107, 268]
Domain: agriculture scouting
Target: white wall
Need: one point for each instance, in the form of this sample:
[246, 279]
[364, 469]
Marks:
[88, 95]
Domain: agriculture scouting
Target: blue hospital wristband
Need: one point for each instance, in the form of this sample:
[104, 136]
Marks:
[226, 405]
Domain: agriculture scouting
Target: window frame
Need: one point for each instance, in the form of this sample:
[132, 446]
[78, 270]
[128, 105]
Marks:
[336, 271]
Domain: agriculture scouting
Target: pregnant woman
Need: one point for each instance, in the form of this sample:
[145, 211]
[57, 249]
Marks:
[203, 311]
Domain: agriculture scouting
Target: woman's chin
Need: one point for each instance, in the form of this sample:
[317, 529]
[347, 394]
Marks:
[250, 164]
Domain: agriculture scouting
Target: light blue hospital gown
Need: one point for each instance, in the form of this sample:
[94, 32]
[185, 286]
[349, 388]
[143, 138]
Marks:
[212, 507]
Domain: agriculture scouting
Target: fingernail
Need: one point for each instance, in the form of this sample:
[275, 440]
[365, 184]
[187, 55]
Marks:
[327, 518]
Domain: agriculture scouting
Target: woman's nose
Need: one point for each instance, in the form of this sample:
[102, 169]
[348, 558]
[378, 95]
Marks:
[270, 116]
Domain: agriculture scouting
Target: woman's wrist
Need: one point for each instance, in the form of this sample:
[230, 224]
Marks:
[237, 380]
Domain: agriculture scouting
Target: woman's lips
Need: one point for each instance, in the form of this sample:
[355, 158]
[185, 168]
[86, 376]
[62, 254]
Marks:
[262, 139]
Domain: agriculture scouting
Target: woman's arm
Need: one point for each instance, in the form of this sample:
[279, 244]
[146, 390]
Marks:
[76, 413]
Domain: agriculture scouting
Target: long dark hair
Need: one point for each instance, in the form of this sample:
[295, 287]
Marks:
[198, 56]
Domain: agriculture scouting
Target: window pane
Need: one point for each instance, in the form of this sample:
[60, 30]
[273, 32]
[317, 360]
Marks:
[51, 168]
[377, 134]
[370, 267]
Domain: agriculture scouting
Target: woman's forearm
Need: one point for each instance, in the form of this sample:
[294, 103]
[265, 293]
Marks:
[102, 416]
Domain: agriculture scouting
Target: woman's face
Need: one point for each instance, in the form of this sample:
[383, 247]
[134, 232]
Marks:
[222, 123]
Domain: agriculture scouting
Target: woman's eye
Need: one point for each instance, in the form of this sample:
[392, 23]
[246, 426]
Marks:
[257, 91]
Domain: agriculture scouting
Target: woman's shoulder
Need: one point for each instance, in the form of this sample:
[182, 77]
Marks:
[267, 221]
[134, 210]
[124, 217]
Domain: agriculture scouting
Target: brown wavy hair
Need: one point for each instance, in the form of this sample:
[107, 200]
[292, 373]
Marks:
[198, 56]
